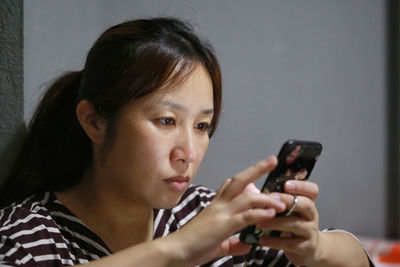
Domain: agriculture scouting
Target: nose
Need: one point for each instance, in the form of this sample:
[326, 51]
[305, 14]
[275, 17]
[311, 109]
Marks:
[184, 151]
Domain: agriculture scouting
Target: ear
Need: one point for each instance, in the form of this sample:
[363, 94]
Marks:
[94, 126]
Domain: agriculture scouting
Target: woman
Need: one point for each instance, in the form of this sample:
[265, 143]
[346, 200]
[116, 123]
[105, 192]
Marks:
[106, 169]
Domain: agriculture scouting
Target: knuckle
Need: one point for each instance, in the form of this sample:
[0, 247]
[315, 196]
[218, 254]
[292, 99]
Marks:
[308, 205]
[257, 169]
[310, 246]
[250, 198]
[297, 224]
[307, 246]
[316, 189]
[248, 195]
[234, 178]
[261, 165]
[248, 216]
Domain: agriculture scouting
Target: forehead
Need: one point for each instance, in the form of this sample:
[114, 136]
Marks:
[194, 91]
[196, 85]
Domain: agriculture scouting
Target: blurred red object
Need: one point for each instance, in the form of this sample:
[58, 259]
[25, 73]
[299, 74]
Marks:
[393, 256]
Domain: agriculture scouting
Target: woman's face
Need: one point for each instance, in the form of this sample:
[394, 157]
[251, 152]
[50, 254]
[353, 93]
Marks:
[159, 143]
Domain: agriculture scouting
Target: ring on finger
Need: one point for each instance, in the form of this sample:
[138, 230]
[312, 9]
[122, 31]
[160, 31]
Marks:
[295, 200]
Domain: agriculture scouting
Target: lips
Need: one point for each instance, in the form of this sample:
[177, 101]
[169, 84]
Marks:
[178, 183]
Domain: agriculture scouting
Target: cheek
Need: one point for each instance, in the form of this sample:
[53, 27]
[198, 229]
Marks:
[204, 147]
[202, 150]
[153, 151]
[158, 152]
[137, 146]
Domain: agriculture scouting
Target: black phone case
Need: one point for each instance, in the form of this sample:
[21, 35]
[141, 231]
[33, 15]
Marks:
[296, 159]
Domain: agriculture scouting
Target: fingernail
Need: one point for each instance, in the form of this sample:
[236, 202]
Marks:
[252, 188]
[269, 212]
[276, 196]
[290, 185]
[280, 204]
[270, 160]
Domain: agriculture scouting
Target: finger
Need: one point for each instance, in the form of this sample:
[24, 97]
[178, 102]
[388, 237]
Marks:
[233, 247]
[294, 244]
[304, 208]
[242, 179]
[222, 188]
[248, 200]
[296, 225]
[252, 188]
[253, 216]
[302, 188]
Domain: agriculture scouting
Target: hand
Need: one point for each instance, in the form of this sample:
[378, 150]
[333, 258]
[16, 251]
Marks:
[235, 206]
[300, 237]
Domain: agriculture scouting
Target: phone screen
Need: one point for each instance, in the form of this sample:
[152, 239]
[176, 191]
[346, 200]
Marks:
[296, 160]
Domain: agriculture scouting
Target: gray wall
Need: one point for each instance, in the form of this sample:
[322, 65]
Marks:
[393, 119]
[11, 82]
[310, 69]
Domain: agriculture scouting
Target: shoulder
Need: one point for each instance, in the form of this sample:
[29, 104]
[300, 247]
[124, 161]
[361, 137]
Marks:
[26, 214]
[24, 228]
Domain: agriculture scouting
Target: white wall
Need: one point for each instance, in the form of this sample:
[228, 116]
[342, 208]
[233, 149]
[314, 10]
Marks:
[310, 69]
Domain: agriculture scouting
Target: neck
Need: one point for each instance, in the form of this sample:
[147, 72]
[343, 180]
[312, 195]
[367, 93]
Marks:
[118, 222]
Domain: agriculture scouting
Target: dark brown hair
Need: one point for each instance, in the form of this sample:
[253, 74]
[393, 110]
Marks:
[128, 61]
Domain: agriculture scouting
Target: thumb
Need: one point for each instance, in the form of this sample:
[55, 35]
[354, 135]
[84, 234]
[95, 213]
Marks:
[233, 247]
[252, 188]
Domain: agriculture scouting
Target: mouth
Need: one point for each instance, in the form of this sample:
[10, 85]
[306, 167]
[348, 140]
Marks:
[178, 183]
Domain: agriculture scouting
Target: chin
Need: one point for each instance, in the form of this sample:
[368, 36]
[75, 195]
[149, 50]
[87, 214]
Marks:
[168, 202]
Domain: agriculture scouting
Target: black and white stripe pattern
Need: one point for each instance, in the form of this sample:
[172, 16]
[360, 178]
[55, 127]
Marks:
[41, 231]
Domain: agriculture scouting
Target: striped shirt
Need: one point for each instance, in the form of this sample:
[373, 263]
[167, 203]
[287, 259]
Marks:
[41, 231]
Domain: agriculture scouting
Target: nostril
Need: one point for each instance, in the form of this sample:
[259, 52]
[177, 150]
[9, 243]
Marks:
[186, 155]
[181, 166]
[177, 154]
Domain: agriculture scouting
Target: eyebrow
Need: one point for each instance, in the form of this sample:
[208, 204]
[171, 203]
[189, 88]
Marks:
[177, 106]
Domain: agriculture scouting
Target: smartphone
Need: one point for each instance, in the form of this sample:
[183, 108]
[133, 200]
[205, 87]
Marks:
[296, 159]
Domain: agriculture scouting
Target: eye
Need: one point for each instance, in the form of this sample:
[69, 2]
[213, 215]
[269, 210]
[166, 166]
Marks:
[203, 126]
[167, 121]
